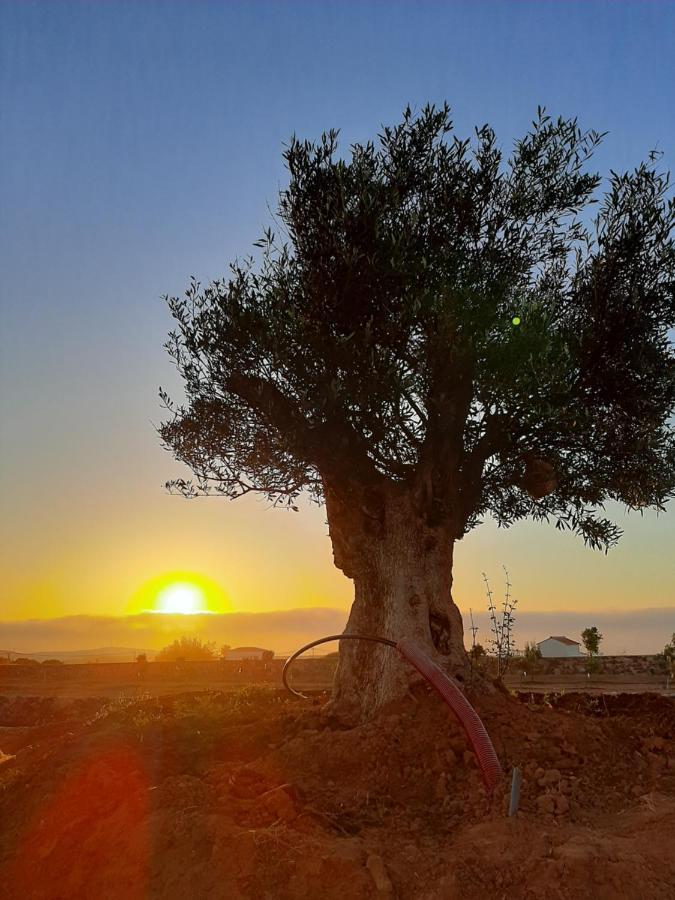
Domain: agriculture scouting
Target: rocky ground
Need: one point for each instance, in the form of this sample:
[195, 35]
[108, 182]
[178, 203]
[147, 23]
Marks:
[258, 795]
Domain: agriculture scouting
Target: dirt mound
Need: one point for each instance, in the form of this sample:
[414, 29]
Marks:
[253, 795]
[32, 711]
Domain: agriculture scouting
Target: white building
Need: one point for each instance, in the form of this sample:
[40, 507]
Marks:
[559, 646]
[248, 653]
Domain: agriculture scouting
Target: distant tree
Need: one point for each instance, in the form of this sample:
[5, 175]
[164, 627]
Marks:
[591, 638]
[477, 652]
[441, 335]
[25, 661]
[477, 656]
[142, 659]
[224, 650]
[669, 655]
[531, 657]
[268, 655]
[52, 662]
[190, 649]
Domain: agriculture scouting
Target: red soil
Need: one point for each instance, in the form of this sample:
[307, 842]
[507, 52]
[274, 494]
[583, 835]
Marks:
[254, 795]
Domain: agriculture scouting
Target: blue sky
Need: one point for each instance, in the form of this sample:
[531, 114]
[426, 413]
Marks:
[140, 143]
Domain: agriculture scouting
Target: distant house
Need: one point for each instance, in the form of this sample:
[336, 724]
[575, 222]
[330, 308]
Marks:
[248, 653]
[558, 646]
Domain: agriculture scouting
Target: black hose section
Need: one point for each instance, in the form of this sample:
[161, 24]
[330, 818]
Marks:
[327, 640]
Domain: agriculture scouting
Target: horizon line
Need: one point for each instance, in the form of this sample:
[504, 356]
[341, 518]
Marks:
[159, 614]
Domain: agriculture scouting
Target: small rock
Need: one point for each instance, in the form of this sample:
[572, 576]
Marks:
[441, 789]
[551, 776]
[279, 804]
[657, 763]
[307, 733]
[469, 758]
[450, 757]
[454, 807]
[458, 744]
[347, 850]
[375, 866]
[562, 805]
[546, 804]
[639, 761]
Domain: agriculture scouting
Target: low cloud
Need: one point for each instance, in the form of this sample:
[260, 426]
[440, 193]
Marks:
[279, 630]
[629, 631]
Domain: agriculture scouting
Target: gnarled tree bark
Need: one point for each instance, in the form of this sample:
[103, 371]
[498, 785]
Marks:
[402, 572]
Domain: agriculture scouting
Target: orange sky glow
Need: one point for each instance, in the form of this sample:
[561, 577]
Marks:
[121, 177]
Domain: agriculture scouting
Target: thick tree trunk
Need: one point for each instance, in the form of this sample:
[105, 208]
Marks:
[402, 573]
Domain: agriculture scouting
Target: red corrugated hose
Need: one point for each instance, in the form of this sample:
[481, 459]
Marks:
[443, 683]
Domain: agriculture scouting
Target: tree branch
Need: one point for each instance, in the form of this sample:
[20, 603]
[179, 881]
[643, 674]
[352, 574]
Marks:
[333, 447]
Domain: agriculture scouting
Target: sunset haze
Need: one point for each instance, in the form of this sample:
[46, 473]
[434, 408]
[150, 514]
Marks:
[142, 144]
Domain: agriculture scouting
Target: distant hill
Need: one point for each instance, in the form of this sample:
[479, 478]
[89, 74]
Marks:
[98, 654]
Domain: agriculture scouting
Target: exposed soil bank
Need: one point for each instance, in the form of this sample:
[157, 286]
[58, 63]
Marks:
[253, 795]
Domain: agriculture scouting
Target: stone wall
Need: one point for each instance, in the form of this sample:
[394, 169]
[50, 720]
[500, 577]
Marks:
[603, 665]
[579, 665]
[305, 671]
[215, 672]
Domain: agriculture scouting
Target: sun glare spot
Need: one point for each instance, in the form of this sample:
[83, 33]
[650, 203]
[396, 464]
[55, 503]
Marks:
[182, 598]
[181, 593]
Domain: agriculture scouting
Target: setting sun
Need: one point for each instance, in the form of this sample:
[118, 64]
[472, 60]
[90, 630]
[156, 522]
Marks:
[186, 599]
[180, 593]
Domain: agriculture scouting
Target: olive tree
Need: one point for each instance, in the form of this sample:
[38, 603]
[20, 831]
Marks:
[440, 333]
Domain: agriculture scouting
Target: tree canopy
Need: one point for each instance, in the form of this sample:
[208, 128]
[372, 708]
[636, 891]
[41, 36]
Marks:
[189, 649]
[591, 638]
[489, 330]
